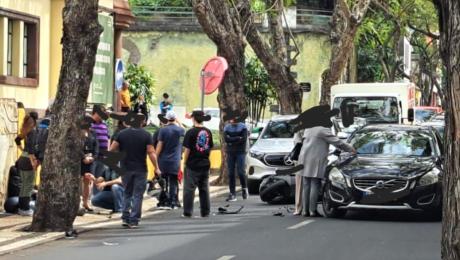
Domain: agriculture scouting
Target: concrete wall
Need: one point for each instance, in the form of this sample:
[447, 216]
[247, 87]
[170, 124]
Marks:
[176, 58]
[33, 97]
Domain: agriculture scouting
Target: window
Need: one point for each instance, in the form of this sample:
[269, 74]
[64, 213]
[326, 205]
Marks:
[22, 52]
[9, 55]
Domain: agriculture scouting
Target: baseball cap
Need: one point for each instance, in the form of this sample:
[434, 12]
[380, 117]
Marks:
[170, 115]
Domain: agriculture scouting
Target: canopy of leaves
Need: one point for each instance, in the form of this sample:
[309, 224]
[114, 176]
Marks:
[385, 25]
[259, 91]
[141, 82]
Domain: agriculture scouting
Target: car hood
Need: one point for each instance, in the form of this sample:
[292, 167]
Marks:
[367, 166]
[274, 145]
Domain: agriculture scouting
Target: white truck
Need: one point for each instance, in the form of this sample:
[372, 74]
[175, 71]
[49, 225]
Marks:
[376, 103]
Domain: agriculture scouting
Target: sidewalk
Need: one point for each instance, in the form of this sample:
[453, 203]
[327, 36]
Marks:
[12, 238]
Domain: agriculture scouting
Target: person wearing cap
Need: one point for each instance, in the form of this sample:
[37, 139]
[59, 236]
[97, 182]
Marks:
[236, 135]
[198, 144]
[169, 153]
[136, 143]
[313, 155]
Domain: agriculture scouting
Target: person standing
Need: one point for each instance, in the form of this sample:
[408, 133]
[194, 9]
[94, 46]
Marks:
[125, 97]
[100, 129]
[141, 107]
[136, 144]
[236, 135]
[198, 144]
[27, 162]
[298, 137]
[313, 156]
[90, 153]
[169, 153]
[166, 104]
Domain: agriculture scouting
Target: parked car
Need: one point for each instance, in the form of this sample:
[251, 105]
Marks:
[213, 124]
[423, 114]
[268, 151]
[396, 167]
[437, 121]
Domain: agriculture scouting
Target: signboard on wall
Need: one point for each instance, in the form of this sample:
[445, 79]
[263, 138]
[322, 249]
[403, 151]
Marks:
[101, 89]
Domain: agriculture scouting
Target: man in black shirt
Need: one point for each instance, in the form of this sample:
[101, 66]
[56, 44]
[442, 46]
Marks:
[198, 144]
[136, 143]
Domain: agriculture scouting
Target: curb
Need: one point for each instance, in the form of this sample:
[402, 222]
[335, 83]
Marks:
[42, 238]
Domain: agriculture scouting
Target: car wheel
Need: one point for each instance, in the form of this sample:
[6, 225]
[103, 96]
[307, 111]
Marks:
[329, 210]
[253, 187]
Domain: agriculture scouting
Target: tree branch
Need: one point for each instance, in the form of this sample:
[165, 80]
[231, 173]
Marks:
[427, 33]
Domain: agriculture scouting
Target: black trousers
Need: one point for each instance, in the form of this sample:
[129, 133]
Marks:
[172, 185]
[193, 180]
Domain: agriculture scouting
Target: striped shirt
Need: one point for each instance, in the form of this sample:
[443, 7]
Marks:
[102, 134]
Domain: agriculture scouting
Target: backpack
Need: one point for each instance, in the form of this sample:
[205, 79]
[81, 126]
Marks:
[41, 138]
[14, 182]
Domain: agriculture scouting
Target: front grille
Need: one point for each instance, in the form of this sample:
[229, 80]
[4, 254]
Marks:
[275, 160]
[388, 184]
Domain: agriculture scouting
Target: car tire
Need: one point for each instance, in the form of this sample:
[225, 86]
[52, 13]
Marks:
[253, 187]
[328, 209]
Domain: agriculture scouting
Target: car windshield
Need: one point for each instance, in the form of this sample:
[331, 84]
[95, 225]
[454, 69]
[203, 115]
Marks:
[374, 109]
[423, 115]
[278, 129]
[393, 143]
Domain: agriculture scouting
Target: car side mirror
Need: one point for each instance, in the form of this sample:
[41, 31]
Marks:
[410, 115]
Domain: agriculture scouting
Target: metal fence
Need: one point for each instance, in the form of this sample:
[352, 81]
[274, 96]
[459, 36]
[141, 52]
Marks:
[185, 15]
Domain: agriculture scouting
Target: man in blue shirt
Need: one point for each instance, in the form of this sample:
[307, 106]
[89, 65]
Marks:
[169, 153]
[166, 104]
[236, 134]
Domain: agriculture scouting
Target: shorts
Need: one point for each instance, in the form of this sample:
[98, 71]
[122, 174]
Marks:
[85, 168]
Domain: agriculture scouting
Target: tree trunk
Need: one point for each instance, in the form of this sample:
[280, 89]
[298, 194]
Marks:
[274, 58]
[221, 24]
[345, 23]
[59, 195]
[450, 51]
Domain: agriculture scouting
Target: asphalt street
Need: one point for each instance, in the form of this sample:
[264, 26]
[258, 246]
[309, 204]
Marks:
[255, 234]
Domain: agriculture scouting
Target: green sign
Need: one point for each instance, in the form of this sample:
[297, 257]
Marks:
[101, 89]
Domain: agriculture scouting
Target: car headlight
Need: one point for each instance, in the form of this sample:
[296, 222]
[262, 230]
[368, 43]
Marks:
[336, 176]
[429, 178]
[257, 155]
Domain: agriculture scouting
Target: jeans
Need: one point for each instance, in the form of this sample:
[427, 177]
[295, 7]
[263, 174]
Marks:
[193, 180]
[172, 183]
[310, 192]
[236, 161]
[135, 183]
[112, 199]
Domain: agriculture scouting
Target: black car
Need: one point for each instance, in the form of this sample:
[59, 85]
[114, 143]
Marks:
[396, 167]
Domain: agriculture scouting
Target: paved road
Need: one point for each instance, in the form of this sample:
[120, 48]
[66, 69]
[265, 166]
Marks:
[255, 234]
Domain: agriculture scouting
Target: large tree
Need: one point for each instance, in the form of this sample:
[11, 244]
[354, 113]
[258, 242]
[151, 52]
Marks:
[449, 12]
[274, 56]
[345, 23]
[219, 21]
[59, 195]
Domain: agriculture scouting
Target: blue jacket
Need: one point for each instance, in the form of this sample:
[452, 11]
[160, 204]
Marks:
[236, 136]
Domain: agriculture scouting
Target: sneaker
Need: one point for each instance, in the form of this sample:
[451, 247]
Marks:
[186, 215]
[133, 225]
[125, 223]
[115, 215]
[26, 213]
[71, 234]
[245, 193]
[231, 197]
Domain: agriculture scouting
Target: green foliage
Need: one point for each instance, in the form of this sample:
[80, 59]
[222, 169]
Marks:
[261, 6]
[259, 91]
[141, 82]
